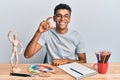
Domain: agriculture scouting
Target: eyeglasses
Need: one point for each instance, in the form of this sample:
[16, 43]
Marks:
[66, 16]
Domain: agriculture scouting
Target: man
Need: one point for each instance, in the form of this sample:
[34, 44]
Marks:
[63, 45]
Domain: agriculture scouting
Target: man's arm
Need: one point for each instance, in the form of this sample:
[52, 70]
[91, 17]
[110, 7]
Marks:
[81, 59]
[33, 46]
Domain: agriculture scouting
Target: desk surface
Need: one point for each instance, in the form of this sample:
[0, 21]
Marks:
[113, 73]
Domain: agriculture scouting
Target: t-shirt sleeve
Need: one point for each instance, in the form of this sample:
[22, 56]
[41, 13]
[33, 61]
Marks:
[81, 45]
[42, 39]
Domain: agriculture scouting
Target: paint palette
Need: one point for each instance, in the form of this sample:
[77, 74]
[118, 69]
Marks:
[37, 68]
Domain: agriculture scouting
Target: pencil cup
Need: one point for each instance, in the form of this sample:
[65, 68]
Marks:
[101, 67]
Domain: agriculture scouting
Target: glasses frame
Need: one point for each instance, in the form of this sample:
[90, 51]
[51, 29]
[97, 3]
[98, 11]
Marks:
[66, 16]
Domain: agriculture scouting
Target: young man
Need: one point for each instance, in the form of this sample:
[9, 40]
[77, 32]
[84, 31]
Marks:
[63, 45]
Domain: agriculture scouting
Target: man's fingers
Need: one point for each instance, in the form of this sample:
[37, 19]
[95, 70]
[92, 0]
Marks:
[56, 62]
[49, 18]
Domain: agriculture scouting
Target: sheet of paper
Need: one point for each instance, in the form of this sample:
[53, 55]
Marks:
[77, 70]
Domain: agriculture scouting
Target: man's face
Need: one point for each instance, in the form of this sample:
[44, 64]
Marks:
[62, 18]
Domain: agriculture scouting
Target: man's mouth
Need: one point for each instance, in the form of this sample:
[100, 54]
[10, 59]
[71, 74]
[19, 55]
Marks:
[62, 23]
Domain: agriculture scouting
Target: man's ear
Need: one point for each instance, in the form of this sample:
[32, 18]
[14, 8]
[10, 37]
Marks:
[69, 19]
[53, 18]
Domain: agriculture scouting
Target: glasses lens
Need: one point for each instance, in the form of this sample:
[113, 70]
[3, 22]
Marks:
[66, 16]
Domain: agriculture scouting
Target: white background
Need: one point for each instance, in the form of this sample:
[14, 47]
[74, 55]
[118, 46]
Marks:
[98, 21]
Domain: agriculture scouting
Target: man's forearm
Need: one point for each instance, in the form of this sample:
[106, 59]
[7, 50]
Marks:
[31, 47]
[79, 61]
[57, 62]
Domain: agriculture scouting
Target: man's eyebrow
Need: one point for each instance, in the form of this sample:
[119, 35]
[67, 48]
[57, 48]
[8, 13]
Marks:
[61, 14]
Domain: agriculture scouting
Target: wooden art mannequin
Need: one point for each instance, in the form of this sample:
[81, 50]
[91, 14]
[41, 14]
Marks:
[15, 52]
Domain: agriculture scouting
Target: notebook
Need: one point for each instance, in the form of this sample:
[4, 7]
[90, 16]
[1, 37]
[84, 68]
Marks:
[77, 70]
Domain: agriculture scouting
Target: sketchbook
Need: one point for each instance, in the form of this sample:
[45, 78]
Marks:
[77, 70]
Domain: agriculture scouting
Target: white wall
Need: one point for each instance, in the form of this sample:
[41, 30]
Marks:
[97, 20]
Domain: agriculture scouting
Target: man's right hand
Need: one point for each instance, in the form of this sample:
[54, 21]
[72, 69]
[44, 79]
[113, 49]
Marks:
[45, 25]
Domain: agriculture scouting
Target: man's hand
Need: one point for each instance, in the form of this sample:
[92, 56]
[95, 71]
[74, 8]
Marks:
[45, 25]
[57, 62]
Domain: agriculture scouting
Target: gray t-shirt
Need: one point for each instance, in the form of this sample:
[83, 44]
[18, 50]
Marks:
[62, 46]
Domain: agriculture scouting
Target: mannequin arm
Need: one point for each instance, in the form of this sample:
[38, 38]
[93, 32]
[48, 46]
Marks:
[21, 48]
[10, 39]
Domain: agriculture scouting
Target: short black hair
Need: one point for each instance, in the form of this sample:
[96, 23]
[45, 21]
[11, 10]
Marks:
[62, 6]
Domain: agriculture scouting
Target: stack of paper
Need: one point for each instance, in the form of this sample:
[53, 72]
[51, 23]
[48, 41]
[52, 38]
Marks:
[77, 70]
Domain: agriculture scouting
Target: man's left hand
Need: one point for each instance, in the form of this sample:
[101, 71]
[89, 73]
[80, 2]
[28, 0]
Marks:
[57, 62]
